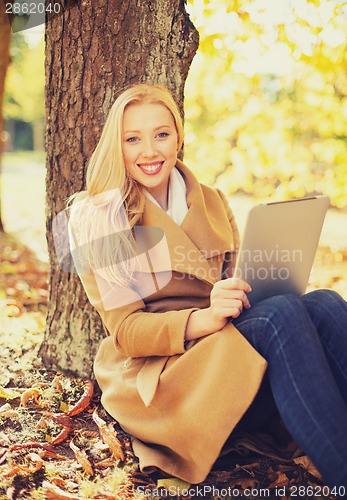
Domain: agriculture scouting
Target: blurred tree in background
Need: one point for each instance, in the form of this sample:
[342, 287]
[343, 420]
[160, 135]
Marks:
[266, 97]
[24, 99]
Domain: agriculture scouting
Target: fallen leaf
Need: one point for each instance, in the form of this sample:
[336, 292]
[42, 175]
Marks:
[281, 480]
[109, 437]
[14, 470]
[52, 492]
[58, 481]
[63, 434]
[173, 485]
[307, 464]
[51, 454]
[3, 455]
[64, 407]
[41, 424]
[82, 459]
[62, 419]
[244, 483]
[85, 399]
[103, 464]
[37, 460]
[12, 307]
[28, 394]
[9, 393]
[9, 414]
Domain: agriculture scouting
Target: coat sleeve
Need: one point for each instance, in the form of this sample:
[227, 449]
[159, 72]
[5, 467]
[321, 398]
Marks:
[138, 333]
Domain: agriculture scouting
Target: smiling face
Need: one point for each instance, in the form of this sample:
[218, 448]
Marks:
[150, 144]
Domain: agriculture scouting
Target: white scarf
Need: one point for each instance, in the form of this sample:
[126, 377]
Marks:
[177, 203]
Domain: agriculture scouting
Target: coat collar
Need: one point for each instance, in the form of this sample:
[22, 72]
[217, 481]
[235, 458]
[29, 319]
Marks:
[204, 233]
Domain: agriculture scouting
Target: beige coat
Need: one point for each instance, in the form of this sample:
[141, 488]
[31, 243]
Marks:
[179, 401]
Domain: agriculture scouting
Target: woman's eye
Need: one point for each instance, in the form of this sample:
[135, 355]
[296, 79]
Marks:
[162, 135]
[132, 139]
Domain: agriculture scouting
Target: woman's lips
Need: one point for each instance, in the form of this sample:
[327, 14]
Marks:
[151, 168]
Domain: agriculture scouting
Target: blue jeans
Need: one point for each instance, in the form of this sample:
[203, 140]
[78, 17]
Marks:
[304, 340]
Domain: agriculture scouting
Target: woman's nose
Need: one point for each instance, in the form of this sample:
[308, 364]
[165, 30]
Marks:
[149, 150]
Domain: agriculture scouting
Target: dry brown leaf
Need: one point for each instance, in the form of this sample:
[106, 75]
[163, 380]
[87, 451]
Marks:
[25, 468]
[14, 470]
[103, 464]
[244, 483]
[56, 383]
[105, 496]
[58, 481]
[307, 464]
[109, 437]
[12, 308]
[89, 434]
[61, 483]
[7, 393]
[3, 455]
[38, 461]
[63, 434]
[62, 419]
[6, 411]
[281, 480]
[28, 394]
[85, 399]
[52, 492]
[4, 439]
[41, 424]
[51, 454]
[82, 459]
[173, 485]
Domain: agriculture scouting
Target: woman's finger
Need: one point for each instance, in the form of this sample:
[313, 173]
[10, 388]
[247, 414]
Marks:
[235, 284]
[229, 295]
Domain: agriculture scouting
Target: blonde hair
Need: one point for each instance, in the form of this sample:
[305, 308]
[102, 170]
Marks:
[106, 172]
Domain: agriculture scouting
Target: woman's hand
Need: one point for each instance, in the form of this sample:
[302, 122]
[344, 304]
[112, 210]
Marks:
[227, 299]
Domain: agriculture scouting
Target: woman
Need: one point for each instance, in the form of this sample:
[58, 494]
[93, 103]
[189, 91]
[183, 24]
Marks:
[157, 260]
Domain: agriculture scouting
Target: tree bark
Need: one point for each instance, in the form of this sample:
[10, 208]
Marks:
[92, 51]
[5, 42]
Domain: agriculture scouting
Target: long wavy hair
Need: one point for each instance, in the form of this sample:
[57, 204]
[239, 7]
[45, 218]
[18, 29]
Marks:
[114, 201]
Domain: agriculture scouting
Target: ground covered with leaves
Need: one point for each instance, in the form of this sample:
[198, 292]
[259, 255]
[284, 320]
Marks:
[57, 442]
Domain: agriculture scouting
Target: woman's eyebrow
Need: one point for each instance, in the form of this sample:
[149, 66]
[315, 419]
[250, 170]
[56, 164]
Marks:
[139, 131]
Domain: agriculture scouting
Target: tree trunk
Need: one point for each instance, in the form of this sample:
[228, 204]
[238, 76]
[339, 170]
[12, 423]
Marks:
[92, 51]
[5, 41]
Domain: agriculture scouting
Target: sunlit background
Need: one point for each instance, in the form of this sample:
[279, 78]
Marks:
[266, 97]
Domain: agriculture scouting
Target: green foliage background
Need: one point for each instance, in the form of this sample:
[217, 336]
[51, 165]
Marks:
[25, 81]
[266, 97]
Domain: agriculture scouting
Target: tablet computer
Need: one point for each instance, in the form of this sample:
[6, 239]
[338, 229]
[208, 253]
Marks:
[279, 245]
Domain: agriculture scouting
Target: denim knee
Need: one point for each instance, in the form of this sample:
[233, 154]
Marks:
[323, 299]
[273, 321]
[322, 295]
[282, 305]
